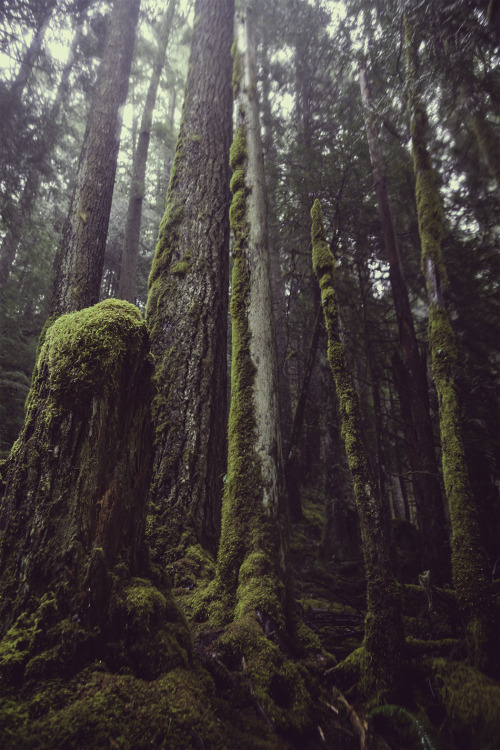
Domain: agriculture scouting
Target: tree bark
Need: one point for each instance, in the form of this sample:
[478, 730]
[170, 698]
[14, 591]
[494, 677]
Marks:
[187, 302]
[292, 467]
[425, 475]
[130, 249]
[383, 642]
[469, 561]
[81, 260]
[254, 494]
[74, 566]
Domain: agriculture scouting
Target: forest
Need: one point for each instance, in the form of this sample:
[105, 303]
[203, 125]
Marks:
[249, 374]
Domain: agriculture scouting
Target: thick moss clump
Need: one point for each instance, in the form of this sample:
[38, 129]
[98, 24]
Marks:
[282, 687]
[98, 710]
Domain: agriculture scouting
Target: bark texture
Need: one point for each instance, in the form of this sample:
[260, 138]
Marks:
[469, 561]
[251, 560]
[130, 249]
[79, 274]
[249, 593]
[425, 476]
[187, 302]
[74, 567]
[383, 642]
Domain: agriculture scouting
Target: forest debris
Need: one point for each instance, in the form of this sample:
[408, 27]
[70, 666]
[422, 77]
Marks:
[359, 724]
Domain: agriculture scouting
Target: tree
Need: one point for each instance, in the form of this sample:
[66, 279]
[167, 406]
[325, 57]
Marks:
[81, 259]
[381, 658]
[429, 501]
[45, 148]
[469, 561]
[254, 493]
[187, 301]
[130, 249]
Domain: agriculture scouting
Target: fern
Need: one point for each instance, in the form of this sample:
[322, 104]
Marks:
[405, 720]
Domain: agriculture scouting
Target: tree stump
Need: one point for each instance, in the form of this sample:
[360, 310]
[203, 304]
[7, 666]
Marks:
[75, 575]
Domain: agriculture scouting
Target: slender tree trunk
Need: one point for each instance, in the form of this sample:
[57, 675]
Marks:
[74, 566]
[428, 496]
[254, 490]
[33, 51]
[130, 249]
[29, 194]
[469, 560]
[383, 642]
[277, 283]
[340, 532]
[81, 260]
[292, 468]
[187, 302]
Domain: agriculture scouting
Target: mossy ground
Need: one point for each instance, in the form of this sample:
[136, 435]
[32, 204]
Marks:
[241, 688]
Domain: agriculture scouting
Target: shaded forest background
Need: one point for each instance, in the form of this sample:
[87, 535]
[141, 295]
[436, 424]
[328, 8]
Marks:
[321, 136]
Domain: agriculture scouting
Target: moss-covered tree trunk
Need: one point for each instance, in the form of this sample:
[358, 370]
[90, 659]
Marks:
[470, 567]
[425, 476]
[130, 248]
[250, 589]
[251, 560]
[75, 576]
[383, 642]
[187, 302]
[81, 259]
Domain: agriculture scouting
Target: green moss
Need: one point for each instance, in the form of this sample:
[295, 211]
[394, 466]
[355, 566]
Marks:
[84, 350]
[181, 268]
[279, 685]
[168, 239]
[471, 700]
[383, 626]
[260, 589]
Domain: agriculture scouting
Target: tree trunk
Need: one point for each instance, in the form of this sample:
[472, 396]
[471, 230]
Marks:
[250, 587]
[30, 56]
[292, 467]
[425, 477]
[468, 561]
[383, 642]
[340, 539]
[254, 493]
[74, 567]
[187, 302]
[130, 249]
[29, 194]
[81, 260]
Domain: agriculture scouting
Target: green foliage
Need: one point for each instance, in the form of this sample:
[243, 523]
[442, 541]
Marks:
[411, 727]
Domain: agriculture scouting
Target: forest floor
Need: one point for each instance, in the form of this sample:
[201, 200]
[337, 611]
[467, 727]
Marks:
[214, 703]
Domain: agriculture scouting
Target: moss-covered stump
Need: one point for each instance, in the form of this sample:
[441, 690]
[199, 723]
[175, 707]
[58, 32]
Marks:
[75, 576]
